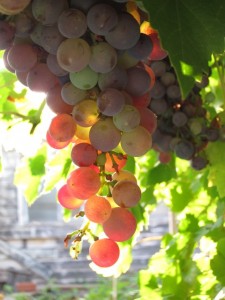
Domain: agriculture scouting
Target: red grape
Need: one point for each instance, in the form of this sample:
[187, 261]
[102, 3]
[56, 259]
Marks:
[97, 209]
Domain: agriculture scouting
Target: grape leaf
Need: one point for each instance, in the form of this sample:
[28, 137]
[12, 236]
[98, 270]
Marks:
[190, 31]
[216, 156]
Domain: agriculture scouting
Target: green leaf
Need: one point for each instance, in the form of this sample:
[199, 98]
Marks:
[221, 247]
[181, 195]
[216, 156]
[217, 264]
[30, 174]
[161, 173]
[190, 31]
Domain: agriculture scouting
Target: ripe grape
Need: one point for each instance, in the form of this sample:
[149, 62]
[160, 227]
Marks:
[62, 127]
[148, 119]
[84, 79]
[41, 79]
[54, 67]
[136, 142]
[158, 106]
[157, 52]
[142, 49]
[24, 24]
[138, 81]
[84, 182]
[83, 133]
[179, 119]
[117, 78]
[110, 101]
[184, 149]
[158, 91]
[104, 135]
[47, 11]
[73, 55]
[10, 7]
[51, 38]
[7, 35]
[126, 193]
[101, 18]
[55, 102]
[121, 225]
[83, 154]
[22, 57]
[97, 209]
[66, 198]
[54, 143]
[127, 119]
[72, 23]
[86, 113]
[36, 34]
[125, 34]
[82, 5]
[71, 94]
[103, 58]
[199, 162]
[104, 253]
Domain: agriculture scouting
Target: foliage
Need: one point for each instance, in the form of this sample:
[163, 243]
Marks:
[190, 263]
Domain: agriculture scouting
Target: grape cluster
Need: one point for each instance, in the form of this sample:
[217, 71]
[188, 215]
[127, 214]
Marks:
[183, 125]
[90, 58]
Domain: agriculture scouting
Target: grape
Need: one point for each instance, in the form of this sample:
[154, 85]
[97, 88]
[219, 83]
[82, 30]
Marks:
[85, 79]
[147, 119]
[127, 119]
[126, 193]
[83, 182]
[55, 102]
[54, 67]
[101, 18]
[104, 135]
[125, 34]
[142, 101]
[72, 23]
[83, 133]
[36, 34]
[66, 198]
[138, 82]
[173, 91]
[83, 155]
[104, 253]
[119, 160]
[163, 141]
[168, 78]
[179, 119]
[212, 134]
[117, 78]
[125, 60]
[158, 106]
[73, 55]
[164, 157]
[158, 52]
[82, 5]
[198, 163]
[195, 125]
[12, 7]
[41, 79]
[127, 97]
[110, 101]
[97, 209]
[121, 225]
[22, 77]
[142, 49]
[136, 142]
[184, 149]
[24, 24]
[124, 175]
[86, 113]
[158, 91]
[103, 58]
[22, 57]
[51, 38]
[62, 128]
[5, 61]
[54, 143]
[71, 94]
[47, 11]
[159, 68]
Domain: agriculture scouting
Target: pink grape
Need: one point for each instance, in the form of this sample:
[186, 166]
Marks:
[104, 253]
[126, 193]
[97, 209]
[84, 182]
[121, 225]
[83, 154]
[66, 198]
